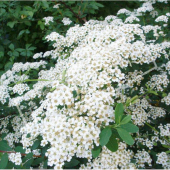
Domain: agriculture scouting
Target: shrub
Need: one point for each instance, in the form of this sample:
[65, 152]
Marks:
[104, 104]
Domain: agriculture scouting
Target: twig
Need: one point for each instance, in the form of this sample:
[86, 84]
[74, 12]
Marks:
[23, 118]
[23, 154]
[154, 68]
[80, 19]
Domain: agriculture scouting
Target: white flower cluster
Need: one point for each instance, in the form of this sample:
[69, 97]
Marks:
[168, 67]
[163, 159]
[142, 111]
[168, 14]
[16, 123]
[80, 102]
[112, 160]
[26, 66]
[154, 28]
[20, 88]
[150, 142]
[48, 20]
[156, 112]
[164, 129]
[4, 93]
[37, 55]
[142, 158]
[139, 115]
[15, 158]
[41, 55]
[10, 77]
[166, 99]
[66, 21]
[131, 19]
[165, 1]
[124, 11]
[56, 6]
[159, 82]
[162, 18]
[4, 124]
[146, 7]
[154, 13]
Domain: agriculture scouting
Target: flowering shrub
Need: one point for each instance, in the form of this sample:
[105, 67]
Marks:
[102, 105]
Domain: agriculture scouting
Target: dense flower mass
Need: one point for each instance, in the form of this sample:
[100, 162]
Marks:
[97, 65]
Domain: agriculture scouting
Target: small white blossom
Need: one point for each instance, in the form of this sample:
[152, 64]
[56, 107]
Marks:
[48, 20]
[66, 21]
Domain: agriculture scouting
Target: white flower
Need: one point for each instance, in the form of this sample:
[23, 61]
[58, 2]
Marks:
[56, 6]
[66, 21]
[162, 18]
[48, 20]
[131, 18]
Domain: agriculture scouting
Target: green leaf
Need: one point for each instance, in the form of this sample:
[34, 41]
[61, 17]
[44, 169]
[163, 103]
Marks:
[42, 26]
[20, 149]
[3, 135]
[153, 92]
[130, 127]
[32, 48]
[45, 4]
[99, 5]
[23, 53]
[166, 146]
[125, 136]
[72, 163]
[4, 161]
[28, 135]
[11, 24]
[20, 49]
[105, 136]
[38, 161]
[112, 145]
[15, 53]
[28, 163]
[126, 119]
[74, 92]
[35, 145]
[28, 156]
[10, 165]
[6, 42]
[45, 164]
[4, 146]
[96, 151]
[44, 150]
[27, 46]
[30, 13]
[118, 112]
[11, 46]
[8, 66]
[27, 23]
[1, 54]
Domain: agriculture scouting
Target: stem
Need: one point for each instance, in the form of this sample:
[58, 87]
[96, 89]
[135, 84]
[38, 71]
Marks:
[27, 80]
[143, 21]
[23, 118]
[23, 154]
[143, 94]
[152, 127]
[32, 80]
